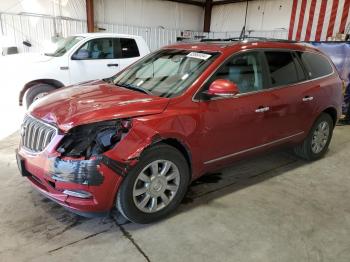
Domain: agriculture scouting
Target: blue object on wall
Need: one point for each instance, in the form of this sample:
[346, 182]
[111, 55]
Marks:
[339, 53]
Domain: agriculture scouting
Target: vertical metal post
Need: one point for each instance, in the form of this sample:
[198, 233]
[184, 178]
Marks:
[90, 15]
[207, 15]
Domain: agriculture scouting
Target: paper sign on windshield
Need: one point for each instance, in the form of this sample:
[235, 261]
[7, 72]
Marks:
[199, 55]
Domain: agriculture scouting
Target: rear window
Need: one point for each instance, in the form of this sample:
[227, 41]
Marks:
[129, 48]
[284, 68]
[315, 64]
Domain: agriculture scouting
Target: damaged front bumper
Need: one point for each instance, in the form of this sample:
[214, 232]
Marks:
[86, 187]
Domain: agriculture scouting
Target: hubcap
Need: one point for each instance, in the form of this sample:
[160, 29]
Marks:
[320, 137]
[156, 186]
[38, 96]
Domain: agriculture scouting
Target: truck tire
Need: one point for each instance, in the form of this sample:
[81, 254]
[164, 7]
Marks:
[38, 91]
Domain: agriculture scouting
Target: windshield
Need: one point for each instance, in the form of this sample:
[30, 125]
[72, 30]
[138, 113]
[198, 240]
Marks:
[63, 45]
[165, 73]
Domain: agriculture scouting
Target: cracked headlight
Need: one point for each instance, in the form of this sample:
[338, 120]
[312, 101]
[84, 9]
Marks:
[93, 139]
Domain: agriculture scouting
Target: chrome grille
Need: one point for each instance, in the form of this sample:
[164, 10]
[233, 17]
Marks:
[36, 135]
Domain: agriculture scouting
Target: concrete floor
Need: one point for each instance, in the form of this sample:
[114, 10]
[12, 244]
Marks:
[270, 208]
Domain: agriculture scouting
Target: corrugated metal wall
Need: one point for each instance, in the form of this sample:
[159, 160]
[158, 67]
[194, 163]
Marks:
[38, 30]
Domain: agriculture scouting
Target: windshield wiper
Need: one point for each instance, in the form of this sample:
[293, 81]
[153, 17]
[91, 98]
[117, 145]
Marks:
[137, 88]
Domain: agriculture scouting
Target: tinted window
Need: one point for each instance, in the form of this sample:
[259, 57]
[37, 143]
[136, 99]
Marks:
[244, 70]
[284, 69]
[102, 48]
[315, 64]
[129, 48]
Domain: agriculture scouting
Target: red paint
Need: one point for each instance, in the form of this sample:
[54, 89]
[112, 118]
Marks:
[207, 129]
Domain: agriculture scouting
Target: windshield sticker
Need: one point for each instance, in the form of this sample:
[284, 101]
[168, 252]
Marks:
[199, 55]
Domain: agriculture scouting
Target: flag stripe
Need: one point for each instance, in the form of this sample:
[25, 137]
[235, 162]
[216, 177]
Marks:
[301, 19]
[344, 16]
[321, 20]
[292, 19]
[332, 18]
[311, 20]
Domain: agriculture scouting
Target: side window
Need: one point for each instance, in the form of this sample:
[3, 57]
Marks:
[102, 48]
[283, 68]
[129, 48]
[245, 70]
[315, 64]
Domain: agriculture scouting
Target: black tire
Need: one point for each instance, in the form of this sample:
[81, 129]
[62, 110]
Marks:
[36, 90]
[304, 150]
[125, 202]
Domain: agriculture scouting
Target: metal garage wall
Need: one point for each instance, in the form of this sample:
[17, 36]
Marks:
[265, 18]
[38, 30]
[150, 13]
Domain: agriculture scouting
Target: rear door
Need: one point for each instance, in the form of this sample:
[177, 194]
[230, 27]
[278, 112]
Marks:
[284, 119]
[316, 89]
[129, 52]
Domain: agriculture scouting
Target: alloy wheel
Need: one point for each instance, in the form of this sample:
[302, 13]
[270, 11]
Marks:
[320, 137]
[156, 186]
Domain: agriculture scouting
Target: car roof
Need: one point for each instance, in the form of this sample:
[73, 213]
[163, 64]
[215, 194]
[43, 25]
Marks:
[101, 34]
[225, 45]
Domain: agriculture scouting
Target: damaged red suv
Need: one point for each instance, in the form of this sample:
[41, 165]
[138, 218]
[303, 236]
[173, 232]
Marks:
[136, 140]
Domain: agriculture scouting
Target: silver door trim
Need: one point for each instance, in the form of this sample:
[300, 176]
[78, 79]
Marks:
[252, 148]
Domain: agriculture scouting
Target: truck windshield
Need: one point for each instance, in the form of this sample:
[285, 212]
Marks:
[165, 73]
[63, 45]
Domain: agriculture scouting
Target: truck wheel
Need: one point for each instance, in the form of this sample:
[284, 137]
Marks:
[315, 145]
[38, 91]
[155, 186]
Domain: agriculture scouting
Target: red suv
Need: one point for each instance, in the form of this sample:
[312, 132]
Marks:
[135, 141]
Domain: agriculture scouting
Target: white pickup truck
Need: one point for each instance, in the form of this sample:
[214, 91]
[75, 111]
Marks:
[76, 58]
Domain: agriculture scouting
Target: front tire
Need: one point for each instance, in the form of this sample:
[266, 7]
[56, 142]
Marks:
[155, 186]
[38, 91]
[315, 145]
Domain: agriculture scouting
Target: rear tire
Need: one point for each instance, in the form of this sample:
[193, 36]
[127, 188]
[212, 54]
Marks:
[315, 145]
[155, 187]
[38, 91]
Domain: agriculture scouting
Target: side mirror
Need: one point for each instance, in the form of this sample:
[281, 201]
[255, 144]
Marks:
[223, 88]
[82, 54]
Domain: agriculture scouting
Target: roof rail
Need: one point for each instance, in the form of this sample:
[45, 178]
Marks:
[248, 39]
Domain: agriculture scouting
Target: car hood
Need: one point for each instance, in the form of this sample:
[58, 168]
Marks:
[24, 59]
[93, 102]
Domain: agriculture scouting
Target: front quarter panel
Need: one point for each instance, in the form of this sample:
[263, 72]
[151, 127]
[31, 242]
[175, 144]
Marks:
[182, 125]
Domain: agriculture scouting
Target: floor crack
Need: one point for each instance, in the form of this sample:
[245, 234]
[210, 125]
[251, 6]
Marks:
[128, 236]
[77, 241]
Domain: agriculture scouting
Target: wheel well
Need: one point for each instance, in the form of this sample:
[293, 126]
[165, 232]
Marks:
[51, 82]
[333, 113]
[179, 146]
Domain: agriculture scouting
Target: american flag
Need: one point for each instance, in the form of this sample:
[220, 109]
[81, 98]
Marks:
[316, 20]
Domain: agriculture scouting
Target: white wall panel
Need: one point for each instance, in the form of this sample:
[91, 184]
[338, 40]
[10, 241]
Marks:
[152, 13]
[263, 15]
[69, 8]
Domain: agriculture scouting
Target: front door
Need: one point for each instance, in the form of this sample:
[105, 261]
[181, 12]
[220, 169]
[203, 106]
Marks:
[232, 126]
[95, 59]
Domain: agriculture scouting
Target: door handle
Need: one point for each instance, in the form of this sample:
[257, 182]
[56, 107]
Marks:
[112, 65]
[262, 109]
[308, 98]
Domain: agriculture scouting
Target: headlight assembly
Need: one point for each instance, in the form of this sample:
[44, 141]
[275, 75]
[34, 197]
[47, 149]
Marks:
[93, 139]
